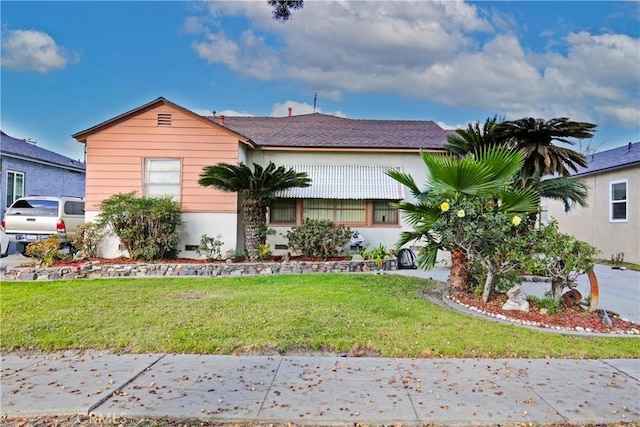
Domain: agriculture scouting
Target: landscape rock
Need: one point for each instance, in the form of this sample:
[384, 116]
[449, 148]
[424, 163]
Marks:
[517, 299]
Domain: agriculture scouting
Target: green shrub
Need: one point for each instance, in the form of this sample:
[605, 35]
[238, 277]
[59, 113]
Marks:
[148, 227]
[547, 302]
[210, 247]
[45, 251]
[88, 239]
[264, 252]
[318, 238]
[235, 255]
[558, 256]
[378, 254]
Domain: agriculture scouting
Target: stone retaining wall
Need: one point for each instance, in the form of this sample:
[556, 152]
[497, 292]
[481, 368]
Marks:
[93, 269]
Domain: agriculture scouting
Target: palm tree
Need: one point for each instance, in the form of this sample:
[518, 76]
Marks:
[535, 138]
[256, 189]
[489, 175]
[473, 139]
[493, 133]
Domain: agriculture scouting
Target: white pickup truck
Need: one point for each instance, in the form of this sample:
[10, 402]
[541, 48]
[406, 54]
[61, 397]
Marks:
[34, 218]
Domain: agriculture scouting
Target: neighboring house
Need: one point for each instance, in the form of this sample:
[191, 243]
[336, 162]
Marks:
[161, 148]
[29, 169]
[611, 222]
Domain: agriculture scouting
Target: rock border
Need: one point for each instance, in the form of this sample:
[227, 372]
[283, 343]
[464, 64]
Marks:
[94, 270]
[455, 303]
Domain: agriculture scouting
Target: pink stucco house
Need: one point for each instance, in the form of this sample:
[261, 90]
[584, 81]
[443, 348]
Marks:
[160, 148]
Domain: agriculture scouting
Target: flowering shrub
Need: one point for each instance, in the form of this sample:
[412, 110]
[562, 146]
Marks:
[486, 235]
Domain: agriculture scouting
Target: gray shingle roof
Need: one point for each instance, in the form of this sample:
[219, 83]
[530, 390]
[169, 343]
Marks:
[19, 148]
[346, 182]
[324, 131]
[616, 158]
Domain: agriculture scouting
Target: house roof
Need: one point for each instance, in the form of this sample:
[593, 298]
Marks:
[346, 182]
[616, 158]
[21, 149]
[325, 131]
[313, 131]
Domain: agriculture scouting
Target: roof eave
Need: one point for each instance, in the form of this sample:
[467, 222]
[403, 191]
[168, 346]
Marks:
[606, 169]
[348, 149]
[44, 162]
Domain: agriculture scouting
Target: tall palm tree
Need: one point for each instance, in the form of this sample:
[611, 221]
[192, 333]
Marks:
[473, 139]
[489, 174]
[256, 189]
[535, 138]
[493, 133]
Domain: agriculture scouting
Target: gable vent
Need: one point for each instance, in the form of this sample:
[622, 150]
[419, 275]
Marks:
[164, 119]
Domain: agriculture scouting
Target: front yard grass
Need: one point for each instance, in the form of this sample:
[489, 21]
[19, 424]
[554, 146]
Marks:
[311, 312]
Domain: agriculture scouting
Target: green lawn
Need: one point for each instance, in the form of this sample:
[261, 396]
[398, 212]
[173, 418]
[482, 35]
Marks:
[287, 312]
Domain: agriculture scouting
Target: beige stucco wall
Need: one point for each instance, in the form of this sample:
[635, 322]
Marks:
[410, 163]
[593, 225]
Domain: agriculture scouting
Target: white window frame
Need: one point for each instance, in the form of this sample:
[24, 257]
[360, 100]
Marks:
[157, 180]
[624, 201]
[13, 190]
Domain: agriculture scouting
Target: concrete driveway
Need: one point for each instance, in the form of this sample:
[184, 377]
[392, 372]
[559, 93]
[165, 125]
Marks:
[619, 289]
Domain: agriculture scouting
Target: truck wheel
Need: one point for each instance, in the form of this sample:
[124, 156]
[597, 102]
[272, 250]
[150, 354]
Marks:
[24, 249]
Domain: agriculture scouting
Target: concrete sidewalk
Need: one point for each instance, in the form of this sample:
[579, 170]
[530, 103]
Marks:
[323, 390]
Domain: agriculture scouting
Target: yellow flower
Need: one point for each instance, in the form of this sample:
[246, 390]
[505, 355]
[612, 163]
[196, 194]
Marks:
[516, 220]
[444, 207]
[461, 213]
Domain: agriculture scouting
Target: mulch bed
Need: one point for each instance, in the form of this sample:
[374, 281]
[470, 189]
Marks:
[569, 318]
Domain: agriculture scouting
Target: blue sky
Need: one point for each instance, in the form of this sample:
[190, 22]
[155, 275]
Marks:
[67, 66]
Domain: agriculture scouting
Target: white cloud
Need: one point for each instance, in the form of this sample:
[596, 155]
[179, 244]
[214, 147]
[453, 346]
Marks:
[234, 113]
[448, 126]
[451, 53]
[299, 108]
[32, 50]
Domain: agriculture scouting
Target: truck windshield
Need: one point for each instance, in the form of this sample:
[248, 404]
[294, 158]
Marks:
[34, 207]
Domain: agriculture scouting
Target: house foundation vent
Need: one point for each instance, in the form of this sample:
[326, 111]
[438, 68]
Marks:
[164, 119]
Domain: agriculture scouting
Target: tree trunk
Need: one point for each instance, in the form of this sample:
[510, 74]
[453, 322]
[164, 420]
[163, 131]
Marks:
[556, 289]
[593, 282]
[458, 281]
[254, 224]
[488, 283]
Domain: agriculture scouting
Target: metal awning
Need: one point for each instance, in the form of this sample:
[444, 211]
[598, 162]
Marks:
[346, 182]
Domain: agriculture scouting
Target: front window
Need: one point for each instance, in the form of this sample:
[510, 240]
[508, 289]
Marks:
[15, 187]
[618, 209]
[338, 211]
[384, 213]
[162, 178]
[282, 211]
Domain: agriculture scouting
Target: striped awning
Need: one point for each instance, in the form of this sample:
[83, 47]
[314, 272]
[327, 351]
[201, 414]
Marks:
[346, 182]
